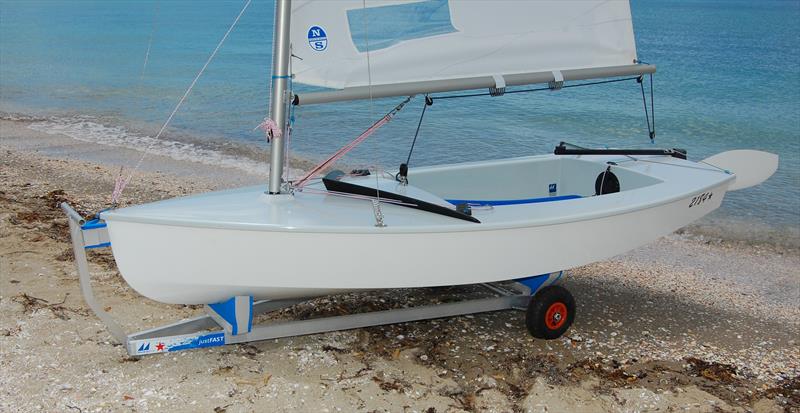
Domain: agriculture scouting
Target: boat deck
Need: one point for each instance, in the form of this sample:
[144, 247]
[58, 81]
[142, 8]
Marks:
[313, 210]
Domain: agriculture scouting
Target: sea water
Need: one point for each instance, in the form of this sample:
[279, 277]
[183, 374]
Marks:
[728, 78]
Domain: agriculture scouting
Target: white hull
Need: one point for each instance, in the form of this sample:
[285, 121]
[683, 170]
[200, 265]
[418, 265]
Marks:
[194, 262]
[197, 265]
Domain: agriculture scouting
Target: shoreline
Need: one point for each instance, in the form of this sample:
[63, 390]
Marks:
[681, 322]
[234, 164]
[90, 139]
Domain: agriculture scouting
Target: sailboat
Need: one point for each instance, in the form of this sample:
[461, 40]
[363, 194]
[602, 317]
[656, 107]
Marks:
[444, 225]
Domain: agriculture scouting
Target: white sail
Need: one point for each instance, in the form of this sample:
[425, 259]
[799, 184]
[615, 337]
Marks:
[432, 40]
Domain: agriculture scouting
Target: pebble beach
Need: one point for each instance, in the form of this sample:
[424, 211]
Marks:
[687, 323]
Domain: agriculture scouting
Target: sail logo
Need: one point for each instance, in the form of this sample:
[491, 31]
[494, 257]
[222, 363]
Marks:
[144, 347]
[317, 38]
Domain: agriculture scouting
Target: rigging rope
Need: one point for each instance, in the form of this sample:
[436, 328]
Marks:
[509, 92]
[428, 102]
[651, 126]
[347, 148]
[652, 110]
[290, 121]
[582, 147]
[289, 128]
[150, 40]
[632, 159]
[118, 181]
[716, 168]
[121, 183]
[376, 204]
[651, 132]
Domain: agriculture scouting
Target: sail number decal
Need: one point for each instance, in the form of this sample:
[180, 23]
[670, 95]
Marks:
[700, 199]
[317, 38]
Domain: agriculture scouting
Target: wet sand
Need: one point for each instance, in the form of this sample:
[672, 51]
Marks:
[683, 324]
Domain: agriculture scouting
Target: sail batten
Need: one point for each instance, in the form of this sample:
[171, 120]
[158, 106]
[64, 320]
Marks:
[479, 82]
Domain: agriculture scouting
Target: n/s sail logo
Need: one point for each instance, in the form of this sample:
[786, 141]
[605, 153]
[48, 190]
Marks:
[317, 38]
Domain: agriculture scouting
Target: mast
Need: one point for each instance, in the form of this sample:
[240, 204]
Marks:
[281, 53]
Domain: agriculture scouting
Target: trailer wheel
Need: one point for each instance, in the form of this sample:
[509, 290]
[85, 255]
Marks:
[550, 312]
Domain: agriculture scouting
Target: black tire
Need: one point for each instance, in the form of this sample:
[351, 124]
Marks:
[553, 299]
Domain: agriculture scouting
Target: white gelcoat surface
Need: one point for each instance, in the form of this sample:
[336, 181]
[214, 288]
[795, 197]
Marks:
[210, 247]
[751, 167]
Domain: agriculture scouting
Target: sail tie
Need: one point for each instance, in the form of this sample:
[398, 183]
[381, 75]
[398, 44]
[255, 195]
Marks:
[351, 145]
[270, 128]
[499, 86]
[558, 81]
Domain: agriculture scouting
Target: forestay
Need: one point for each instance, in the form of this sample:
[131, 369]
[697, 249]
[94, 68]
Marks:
[417, 46]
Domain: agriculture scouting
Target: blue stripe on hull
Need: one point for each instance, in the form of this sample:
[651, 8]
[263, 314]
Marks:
[513, 201]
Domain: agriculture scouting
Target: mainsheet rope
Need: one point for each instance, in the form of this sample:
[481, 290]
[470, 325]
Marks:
[651, 115]
[427, 102]
[651, 131]
[121, 183]
[539, 89]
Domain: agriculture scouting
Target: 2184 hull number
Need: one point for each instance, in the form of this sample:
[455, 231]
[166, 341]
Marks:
[699, 199]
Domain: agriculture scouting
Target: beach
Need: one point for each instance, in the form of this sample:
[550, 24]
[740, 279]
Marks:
[686, 323]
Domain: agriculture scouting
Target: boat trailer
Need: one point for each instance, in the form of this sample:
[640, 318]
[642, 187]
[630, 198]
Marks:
[550, 308]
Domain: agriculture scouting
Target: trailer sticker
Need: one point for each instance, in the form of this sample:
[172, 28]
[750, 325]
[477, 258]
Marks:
[176, 343]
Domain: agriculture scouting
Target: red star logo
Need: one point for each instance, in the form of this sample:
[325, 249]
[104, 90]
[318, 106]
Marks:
[160, 346]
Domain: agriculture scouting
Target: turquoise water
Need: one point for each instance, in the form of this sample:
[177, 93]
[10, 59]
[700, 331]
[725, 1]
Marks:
[729, 77]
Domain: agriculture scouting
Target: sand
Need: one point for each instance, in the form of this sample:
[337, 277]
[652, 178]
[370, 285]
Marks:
[683, 324]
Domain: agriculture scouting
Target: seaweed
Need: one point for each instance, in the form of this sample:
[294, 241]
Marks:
[31, 304]
[788, 389]
[718, 372]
